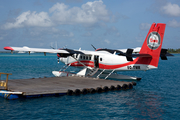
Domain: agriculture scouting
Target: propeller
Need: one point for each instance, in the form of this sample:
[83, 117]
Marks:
[52, 47]
[93, 47]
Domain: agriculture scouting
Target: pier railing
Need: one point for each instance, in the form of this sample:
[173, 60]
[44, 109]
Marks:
[4, 83]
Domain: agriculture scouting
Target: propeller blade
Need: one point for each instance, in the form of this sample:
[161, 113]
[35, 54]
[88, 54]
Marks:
[93, 47]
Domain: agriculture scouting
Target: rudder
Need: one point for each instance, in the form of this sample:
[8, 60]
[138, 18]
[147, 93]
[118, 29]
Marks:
[152, 45]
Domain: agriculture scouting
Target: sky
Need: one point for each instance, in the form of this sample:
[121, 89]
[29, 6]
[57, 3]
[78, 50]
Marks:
[74, 24]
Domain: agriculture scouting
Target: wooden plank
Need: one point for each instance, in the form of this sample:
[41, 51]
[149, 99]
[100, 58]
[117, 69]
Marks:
[6, 73]
[58, 84]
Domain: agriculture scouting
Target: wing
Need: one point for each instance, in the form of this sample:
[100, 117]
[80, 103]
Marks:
[135, 50]
[27, 49]
[61, 52]
[128, 53]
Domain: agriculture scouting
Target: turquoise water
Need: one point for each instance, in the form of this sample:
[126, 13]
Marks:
[156, 96]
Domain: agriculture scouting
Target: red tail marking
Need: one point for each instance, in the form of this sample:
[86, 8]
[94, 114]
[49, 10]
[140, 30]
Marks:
[152, 45]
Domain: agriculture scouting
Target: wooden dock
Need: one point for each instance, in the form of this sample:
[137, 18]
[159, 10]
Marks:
[65, 85]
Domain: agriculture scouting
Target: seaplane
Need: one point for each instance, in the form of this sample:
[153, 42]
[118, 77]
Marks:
[105, 63]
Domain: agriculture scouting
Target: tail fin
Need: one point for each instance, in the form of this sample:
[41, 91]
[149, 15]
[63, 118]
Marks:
[152, 45]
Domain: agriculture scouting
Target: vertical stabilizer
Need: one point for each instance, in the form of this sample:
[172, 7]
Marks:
[152, 45]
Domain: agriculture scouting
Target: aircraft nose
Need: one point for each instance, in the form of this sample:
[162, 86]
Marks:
[63, 59]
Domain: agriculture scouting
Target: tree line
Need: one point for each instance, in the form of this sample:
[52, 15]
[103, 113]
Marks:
[173, 50]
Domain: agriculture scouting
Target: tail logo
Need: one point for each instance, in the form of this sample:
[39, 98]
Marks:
[154, 40]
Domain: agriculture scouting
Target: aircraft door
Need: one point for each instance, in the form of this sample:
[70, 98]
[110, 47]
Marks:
[96, 61]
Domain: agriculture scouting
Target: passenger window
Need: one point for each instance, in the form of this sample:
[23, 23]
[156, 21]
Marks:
[100, 59]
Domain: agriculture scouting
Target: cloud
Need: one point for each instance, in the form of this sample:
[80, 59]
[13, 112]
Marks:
[112, 31]
[31, 19]
[140, 38]
[145, 26]
[171, 9]
[87, 34]
[1, 38]
[56, 33]
[88, 14]
[107, 41]
[70, 34]
[66, 1]
[173, 23]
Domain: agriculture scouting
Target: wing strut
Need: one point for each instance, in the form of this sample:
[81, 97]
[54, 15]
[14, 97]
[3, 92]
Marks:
[109, 74]
[65, 67]
[100, 73]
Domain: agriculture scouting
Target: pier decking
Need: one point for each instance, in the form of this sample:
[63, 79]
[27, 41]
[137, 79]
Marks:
[62, 85]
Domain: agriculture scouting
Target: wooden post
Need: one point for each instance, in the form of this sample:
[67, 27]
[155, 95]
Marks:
[7, 82]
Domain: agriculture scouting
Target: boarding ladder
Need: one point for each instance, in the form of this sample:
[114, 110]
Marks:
[92, 71]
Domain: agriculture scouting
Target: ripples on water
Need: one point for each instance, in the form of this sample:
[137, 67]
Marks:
[156, 96]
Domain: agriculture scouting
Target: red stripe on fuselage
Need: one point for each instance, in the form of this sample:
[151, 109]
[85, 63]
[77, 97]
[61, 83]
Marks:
[146, 61]
[85, 62]
[103, 66]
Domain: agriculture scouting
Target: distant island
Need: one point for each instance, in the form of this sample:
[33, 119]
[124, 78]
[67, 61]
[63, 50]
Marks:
[5, 51]
[174, 50]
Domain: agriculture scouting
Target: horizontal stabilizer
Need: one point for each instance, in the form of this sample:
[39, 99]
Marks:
[141, 55]
[164, 53]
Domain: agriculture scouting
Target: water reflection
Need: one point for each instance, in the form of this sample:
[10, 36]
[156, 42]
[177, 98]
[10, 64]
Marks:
[144, 105]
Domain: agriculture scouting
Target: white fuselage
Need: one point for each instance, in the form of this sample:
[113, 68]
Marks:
[104, 60]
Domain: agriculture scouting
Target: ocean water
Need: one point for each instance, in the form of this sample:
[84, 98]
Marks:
[156, 96]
